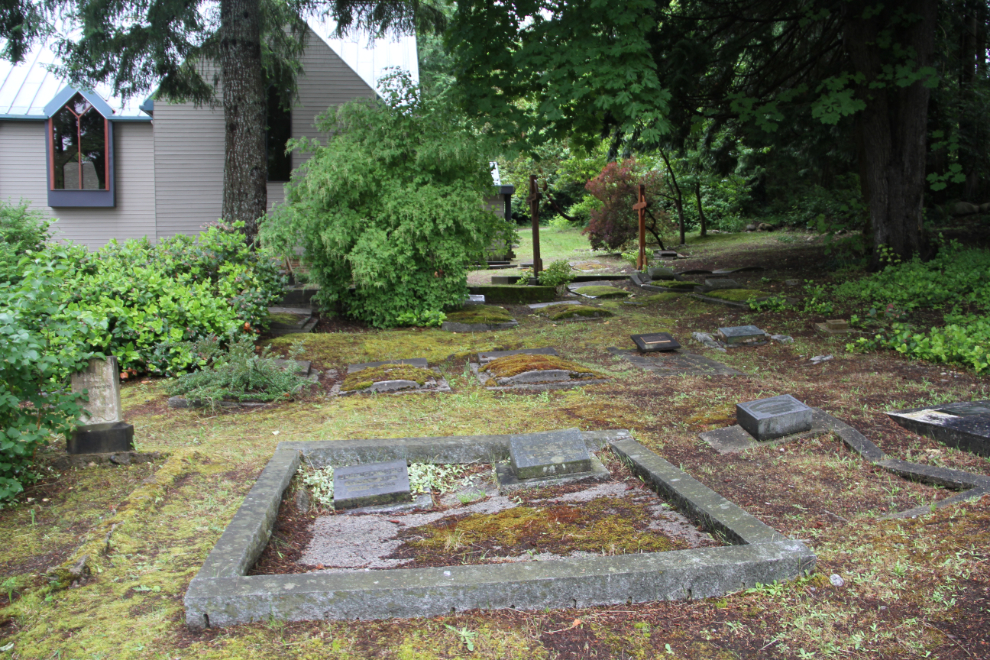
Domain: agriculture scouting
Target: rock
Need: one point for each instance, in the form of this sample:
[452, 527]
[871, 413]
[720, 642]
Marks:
[792, 282]
[818, 359]
[783, 339]
[765, 227]
[965, 208]
[302, 500]
[178, 402]
[541, 376]
[707, 340]
[836, 580]
[123, 458]
[750, 227]
[394, 385]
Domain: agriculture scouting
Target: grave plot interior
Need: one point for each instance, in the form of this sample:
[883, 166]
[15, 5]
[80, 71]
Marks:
[479, 318]
[653, 354]
[399, 376]
[569, 310]
[540, 368]
[963, 424]
[571, 519]
[604, 289]
[766, 421]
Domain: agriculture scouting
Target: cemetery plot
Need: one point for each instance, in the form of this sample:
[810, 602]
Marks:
[563, 545]
[964, 424]
[301, 368]
[479, 318]
[570, 310]
[532, 369]
[393, 376]
[675, 363]
[780, 419]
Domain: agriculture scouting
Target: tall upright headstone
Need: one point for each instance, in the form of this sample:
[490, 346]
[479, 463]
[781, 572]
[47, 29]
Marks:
[100, 428]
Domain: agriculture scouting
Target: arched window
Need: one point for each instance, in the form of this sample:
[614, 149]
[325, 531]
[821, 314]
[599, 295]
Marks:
[79, 155]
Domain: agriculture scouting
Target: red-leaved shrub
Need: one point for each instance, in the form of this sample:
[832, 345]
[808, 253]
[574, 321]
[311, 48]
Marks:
[616, 224]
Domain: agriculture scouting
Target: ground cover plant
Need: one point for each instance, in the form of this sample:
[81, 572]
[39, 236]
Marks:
[931, 574]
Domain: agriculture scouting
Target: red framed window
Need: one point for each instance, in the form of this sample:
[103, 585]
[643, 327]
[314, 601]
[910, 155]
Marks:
[80, 147]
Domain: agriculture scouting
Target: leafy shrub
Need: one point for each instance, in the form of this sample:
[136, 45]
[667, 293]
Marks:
[40, 349]
[965, 339]
[393, 205]
[428, 318]
[21, 230]
[557, 273]
[616, 224]
[237, 374]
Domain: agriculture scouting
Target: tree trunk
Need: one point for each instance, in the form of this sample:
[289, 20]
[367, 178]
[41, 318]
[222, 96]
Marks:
[701, 211]
[894, 124]
[245, 168]
[678, 197]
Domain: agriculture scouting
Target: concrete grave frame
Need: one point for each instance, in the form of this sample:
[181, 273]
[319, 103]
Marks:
[546, 385]
[222, 594]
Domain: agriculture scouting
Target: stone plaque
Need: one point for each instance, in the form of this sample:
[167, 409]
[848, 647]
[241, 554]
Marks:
[658, 341]
[741, 335]
[488, 356]
[104, 438]
[775, 417]
[102, 380]
[548, 454]
[660, 273]
[371, 484]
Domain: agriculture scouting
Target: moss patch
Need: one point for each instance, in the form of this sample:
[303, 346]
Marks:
[513, 365]
[737, 295]
[663, 297]
[687, 286]
[367, 377]
[480, 314]
[562, 312]
[283, 318]
[602, 292]
[608, 525]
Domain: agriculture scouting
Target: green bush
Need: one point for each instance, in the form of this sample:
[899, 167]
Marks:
[236, 374]
[41, 347]
[390, 213]
[21, 230]
[965, 339]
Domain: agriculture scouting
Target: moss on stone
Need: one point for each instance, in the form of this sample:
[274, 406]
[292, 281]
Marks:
[602, 292]
[367, 377]
[663, 297]
[561, 312]
[737, 295]
[480, 314]
[283, 318]
[689, 286]
[513, 365]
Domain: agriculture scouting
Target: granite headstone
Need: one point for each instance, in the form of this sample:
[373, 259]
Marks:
[100, 428]
[742, 335]
[658, 341]
[775, 417]
[555, 453]
[371, 484]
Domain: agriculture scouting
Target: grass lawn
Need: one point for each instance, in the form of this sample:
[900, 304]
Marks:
[910, 588]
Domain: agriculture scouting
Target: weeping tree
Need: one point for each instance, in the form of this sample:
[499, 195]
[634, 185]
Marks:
[187, 50]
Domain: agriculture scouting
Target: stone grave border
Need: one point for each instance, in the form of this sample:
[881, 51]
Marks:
[947, 436]
[441, 386]
[973, 486]
[222, 594]
[535, 387]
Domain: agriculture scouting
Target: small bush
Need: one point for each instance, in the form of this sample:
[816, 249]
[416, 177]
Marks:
[237, 374]
[21, 230]
[965, 339]
[616, 187]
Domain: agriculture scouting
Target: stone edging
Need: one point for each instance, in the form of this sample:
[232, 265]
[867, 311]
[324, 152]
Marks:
[538, 387]
[441, 386]
[973, 486]
[222, 595]
[452, 326]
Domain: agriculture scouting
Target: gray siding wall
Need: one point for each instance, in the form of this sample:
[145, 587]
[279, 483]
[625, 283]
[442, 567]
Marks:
[23, 175]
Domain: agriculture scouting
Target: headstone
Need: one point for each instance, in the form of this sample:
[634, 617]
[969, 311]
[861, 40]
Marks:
[394, 385]
[742, 335]
[659, 341]
[775, 417]
[100, 428]
[371, 484]
[475, 299]
[964, 424]
[554, 453]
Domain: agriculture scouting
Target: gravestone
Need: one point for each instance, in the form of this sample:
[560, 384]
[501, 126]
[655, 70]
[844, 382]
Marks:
[371, 484]
[660, 273]
[555, 453]
[742, 335]
[775, 417]
[100, 428]
[963, 424]
[658, 341]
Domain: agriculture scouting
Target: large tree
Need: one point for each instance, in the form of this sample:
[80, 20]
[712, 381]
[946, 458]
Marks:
[593, 68]
[187, 50]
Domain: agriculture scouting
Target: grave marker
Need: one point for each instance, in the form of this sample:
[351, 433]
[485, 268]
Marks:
[640, 208]
[371, 484]
[742, 335]
[775, 417]
[963, 424]
[658, 341]
[100, 428]
[555, 453]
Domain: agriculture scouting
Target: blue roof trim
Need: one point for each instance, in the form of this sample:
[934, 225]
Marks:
[23, 117]
[58, 101]
[148, 105]
[66, 95]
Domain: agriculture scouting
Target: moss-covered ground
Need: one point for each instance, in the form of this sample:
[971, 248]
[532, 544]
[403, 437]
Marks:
[564, 312]
[365, 378]
[911, 588]
[513, 365]
[737, 295]
[480, 314]
[603, 292]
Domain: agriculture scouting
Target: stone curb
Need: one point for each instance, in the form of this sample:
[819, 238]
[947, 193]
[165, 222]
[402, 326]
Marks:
[534, 387]
[221, 594]
[451, 326]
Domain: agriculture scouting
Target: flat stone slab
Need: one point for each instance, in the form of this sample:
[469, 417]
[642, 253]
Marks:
[742, 335]
[487, 356]
[222, 594]
[676, 363]
[766, 419]
[559, 302]
[713, 284]
[413, 362]
[658, 341]
[108, 437]
[548, 454]
[371, 484]
[508, 482]
[964, 424]
[574, 286]
[734, 439]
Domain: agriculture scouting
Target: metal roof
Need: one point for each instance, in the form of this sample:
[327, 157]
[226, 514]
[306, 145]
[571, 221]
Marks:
[27, 88]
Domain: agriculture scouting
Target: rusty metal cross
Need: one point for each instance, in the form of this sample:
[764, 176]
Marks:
[640, 208]
[534, 209]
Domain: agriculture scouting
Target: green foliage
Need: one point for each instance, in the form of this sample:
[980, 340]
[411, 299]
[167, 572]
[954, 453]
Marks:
[393, 205]
[428, 318]
[774, 303]
[236, 374]
[557, 273]
[965, 339]
[21, 230]
[816, 300]
[158, 298]
[41, 346]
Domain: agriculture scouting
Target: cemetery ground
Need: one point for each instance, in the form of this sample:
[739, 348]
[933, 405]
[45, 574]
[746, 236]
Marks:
[905, 587]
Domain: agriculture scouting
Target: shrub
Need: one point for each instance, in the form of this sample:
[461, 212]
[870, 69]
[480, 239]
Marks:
[965, 339]
[21, 230]
[236, 374]
[392, 206]
[40, 349]
[616, 224]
